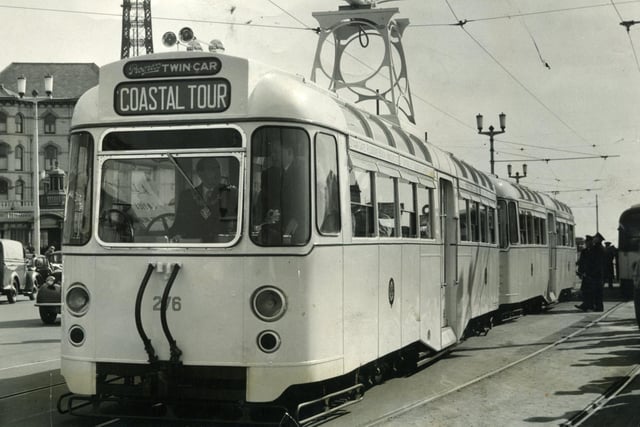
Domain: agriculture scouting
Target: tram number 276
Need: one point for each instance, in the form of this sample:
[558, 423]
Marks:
[173, 303]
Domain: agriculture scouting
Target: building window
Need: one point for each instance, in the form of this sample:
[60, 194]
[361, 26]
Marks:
[4, 156]
[50, 157]
[49, 123]
[4, 189]
[19, 190]
[19, 158]
[3, 122]
[19, 123]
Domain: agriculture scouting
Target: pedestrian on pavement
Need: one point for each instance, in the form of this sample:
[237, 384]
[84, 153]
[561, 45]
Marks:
[586, 290]
[597, 271]
[609, 256]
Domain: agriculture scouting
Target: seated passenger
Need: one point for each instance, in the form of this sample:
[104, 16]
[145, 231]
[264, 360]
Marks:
[201, 209]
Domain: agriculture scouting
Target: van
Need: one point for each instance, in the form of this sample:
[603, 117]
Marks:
[13, 271]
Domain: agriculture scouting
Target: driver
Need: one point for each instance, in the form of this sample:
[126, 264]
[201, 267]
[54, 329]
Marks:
[200, 208]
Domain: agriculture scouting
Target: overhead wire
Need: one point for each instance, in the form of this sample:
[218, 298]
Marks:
[627, 25]
[522, 85]
[516, 15]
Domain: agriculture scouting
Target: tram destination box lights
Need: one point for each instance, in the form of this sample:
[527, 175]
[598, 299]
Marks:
[172, 96]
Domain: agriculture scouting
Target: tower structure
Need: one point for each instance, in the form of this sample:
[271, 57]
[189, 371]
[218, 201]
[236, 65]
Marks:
[136, 28]
[356, 27]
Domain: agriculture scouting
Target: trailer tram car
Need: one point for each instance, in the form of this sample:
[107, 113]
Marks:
[628, 261]
[537, 257]
[383, 251]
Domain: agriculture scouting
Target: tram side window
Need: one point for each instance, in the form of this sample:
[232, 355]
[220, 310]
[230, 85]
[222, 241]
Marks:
[280, 187]
[463, 216]
[425, 201]
[513, 223]
[361, 203]
[523, 228]
[571, 236]
[407, 196]
[503, 226]
[327, 194]
[543, 231]
[536, 231]
[387, 205]
[77, 227]
[483, 223]
[474, 220]
[491, 222]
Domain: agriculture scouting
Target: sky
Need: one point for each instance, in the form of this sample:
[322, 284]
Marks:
[566, 74]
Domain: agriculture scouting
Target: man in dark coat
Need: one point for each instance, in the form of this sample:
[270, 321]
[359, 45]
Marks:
[586, 290]
[610, 255]
[200, 209]
[284, 199]
[597, 271]
[591, 269]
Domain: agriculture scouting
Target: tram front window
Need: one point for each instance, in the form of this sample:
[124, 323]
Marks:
[166, 199]
[280, 187]
[629, 232]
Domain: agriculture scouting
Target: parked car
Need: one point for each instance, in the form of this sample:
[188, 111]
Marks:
[14, 278]
[49, 299]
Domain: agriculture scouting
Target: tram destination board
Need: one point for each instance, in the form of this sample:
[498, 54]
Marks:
[172, 97]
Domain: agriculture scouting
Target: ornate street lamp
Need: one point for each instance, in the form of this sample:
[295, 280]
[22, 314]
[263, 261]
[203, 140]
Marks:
[517, 175]
[491, 133]
[34, 99]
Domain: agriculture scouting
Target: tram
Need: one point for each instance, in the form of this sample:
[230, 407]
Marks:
[238, 237]
[537, 261]
[628, 261]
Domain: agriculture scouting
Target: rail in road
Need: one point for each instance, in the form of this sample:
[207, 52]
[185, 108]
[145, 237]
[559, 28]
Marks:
[562, 367]
[559, 367]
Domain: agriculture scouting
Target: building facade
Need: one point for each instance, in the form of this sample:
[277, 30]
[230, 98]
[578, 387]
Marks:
[17, 146]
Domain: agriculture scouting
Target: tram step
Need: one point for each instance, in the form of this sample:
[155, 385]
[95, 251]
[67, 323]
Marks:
[330, 403]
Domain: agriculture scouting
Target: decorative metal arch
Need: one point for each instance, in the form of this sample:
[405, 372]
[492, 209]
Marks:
[350, 25]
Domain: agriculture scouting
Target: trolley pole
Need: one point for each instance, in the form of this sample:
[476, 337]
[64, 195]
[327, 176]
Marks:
[490, 133]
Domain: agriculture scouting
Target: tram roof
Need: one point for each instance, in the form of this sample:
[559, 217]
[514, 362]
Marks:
[511, 190]
[256, 92]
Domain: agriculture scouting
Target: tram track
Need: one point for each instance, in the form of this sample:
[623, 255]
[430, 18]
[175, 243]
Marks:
[576, 420]
[600, 402]
[30, 391]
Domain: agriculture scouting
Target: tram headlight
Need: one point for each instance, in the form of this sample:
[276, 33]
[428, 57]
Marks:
[268, 303]
[77, 300]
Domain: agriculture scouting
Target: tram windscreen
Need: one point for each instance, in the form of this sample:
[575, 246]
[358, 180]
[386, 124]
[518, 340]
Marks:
[629, 237]
[164, 199]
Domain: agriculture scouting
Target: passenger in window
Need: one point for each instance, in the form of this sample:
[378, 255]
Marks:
[200, 209]
[281, 201]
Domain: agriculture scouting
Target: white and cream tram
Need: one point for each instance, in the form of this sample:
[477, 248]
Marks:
[537, 257]
[271, 285]
[236, 234]
[628, 256]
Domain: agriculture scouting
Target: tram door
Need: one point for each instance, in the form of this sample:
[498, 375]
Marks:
[553, 256]
[448, 284]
